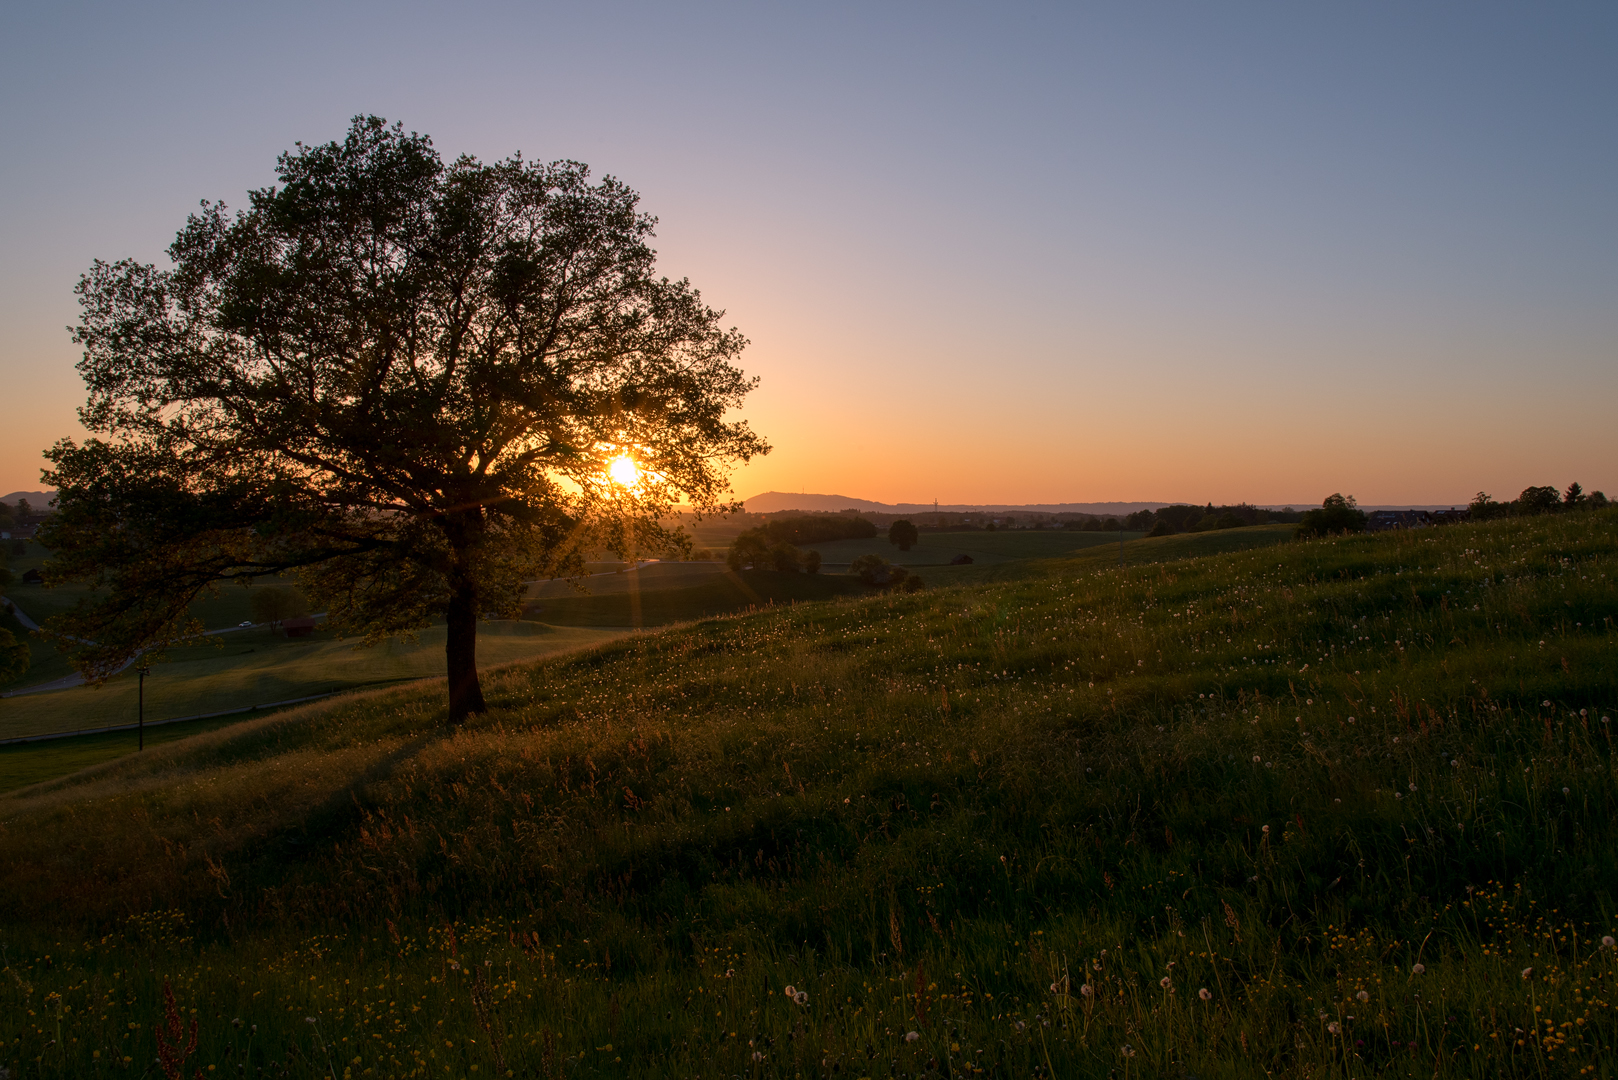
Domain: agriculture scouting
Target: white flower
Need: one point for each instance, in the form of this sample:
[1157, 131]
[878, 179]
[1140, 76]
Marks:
[1362, 997]
[912, 1036]
[1419, 969]
[1606, 942]
[1204, 994]
[310, 1020]
[1087, 990]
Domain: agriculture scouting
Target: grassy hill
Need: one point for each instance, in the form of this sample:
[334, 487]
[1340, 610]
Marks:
[1337, 808]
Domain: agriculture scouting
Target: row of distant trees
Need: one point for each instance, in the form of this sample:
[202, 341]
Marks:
[1536, 500]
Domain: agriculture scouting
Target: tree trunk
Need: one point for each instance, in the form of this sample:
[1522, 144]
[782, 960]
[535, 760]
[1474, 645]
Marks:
[461, 650]
[461, 641]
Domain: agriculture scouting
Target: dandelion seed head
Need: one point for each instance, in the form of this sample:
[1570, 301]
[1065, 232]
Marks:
[1335, 1028]
[1606, 942]
[1527, 971]
[1419, 969]
[1204, 994]
[801, 997]
[1165, 982]
[1362, 997]
[1087, 990]
[912, 1036]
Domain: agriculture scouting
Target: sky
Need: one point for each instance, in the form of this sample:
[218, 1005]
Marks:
[983, 253]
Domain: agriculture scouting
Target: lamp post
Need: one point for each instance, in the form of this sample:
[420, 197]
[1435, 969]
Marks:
[140, 715]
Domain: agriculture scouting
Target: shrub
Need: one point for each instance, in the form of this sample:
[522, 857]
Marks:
[904, 534]
[1538, 500]
[811, 562]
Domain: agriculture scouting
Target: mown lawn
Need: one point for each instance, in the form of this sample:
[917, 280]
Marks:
[1341, 808]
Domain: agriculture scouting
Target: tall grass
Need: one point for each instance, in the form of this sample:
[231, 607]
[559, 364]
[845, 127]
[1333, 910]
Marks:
[1288, 777]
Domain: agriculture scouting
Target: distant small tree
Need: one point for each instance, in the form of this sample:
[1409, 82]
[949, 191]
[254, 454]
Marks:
[1162, 528]
[275, 604]
[1483, 507]
[1598, 499]
[1538, 500]
[748, 549]
[877, 572]
[1337, 514]
[811, 562]
[1574, 496]
[1228, 520]
[1111, 525]
[784, 557]
[903, 534]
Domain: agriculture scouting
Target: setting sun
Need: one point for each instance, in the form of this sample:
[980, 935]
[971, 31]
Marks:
[624, 471]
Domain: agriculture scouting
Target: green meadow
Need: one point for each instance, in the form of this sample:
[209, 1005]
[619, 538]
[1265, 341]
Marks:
[1341, 808]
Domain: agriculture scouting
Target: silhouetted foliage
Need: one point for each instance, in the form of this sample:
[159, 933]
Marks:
[811, 562]
[784, 557]
[1538, 500]
[1574, 496]
[877, 572]
[903, 534]
[1337, 514]
[1483, 507]
[401, 378]
[14, 658]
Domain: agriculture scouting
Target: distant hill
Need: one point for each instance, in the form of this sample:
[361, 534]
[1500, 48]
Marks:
[35, 499]
[773, 501]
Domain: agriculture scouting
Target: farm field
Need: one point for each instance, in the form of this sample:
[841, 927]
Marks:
[1338, 808]
[937, 549]
[679, 592]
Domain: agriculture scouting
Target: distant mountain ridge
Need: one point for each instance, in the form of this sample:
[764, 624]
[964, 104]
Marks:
[36, 499]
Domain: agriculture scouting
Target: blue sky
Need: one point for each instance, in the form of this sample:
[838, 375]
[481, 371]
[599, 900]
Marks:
[984, 253]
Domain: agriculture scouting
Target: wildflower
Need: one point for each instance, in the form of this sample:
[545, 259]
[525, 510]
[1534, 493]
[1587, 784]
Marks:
[1087, 990]
[1362, 997]
[758, 1055]
[1204, 994]
[1606, 942]
[1256, 759]
[912, 1036]
[1566, 790]
[1419, 969]
[1127, 1050]
[1527, 971]
[790, 991]
[1350, 719]
[1266, 828]
[1165, 982]
[1021, 1026]
[1335, 1028]
[310, 1020]
[801, 997]
[1412, 785]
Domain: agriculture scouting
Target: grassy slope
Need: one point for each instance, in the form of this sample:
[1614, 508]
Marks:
[617, 602]
[937, 549]
[258, 667]
[1295, 772]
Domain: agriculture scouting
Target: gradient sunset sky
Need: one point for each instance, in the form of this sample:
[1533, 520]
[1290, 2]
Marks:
[985, 253]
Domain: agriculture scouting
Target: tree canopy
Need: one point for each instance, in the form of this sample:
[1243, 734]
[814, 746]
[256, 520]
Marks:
[904, 534]
[1337, 514]
[412, 384]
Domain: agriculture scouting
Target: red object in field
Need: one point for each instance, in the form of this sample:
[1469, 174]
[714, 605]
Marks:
[302, 626]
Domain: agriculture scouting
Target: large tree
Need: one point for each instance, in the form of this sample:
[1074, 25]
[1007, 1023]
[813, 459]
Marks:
[412, 384]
